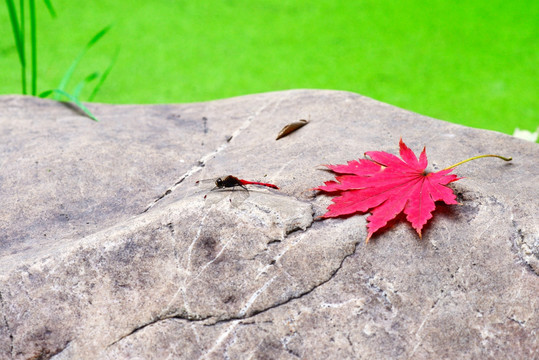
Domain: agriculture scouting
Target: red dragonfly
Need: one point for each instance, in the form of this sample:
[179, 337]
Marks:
[234, 183]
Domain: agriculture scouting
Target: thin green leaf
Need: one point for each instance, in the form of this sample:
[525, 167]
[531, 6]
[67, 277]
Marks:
[70, 97]
[48, 4]
[75, 63]
[98, 36]
[81, 84]
[15, 28]
[105, 75]
[33, 43]
[22, 27]
[46, 93]
[18, 38]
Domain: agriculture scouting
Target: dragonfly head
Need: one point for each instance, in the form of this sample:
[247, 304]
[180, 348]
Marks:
[219, 183]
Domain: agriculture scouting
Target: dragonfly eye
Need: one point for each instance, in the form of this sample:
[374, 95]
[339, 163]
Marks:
[219, 182]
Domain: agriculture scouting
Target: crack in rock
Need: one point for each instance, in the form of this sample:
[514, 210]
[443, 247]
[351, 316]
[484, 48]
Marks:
[235, 321]
[10, 334]
[522, 239]
[155, 321]
[242, 314]
[58, 351]
[201, 163]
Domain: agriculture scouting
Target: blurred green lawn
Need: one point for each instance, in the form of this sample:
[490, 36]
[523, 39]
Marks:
[469, 62]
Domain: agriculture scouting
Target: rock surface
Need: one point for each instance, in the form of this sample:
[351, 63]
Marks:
[109, 251]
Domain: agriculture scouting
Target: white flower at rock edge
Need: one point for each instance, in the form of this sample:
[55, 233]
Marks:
[526, 135]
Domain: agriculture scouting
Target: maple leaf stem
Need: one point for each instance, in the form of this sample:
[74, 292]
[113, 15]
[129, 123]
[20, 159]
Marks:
[477, 157]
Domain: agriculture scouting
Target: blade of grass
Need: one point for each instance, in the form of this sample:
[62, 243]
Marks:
[105, 75]
[75, 63]
[70, 97]
[15, 28]
[23, 41]
[18, 37]
[48, 4]
[88, 79]
[33, 43]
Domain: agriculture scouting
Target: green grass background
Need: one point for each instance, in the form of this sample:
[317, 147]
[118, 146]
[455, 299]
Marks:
[470, 62]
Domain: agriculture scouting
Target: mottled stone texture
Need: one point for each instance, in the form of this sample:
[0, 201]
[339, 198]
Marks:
[109, 251]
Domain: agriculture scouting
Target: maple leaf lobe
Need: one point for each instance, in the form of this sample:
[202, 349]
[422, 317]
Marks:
[387, 185]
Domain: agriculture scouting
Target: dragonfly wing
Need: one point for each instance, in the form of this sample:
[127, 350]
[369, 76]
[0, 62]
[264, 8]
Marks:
[236, 196]
[214, 196]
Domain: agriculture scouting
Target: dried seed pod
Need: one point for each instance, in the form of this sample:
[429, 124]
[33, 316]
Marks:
[291, 128]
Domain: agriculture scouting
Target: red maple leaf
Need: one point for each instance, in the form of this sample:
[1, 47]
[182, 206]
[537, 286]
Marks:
[387, 185]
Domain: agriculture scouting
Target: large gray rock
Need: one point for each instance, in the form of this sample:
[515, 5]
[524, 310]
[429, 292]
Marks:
[109, 251]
